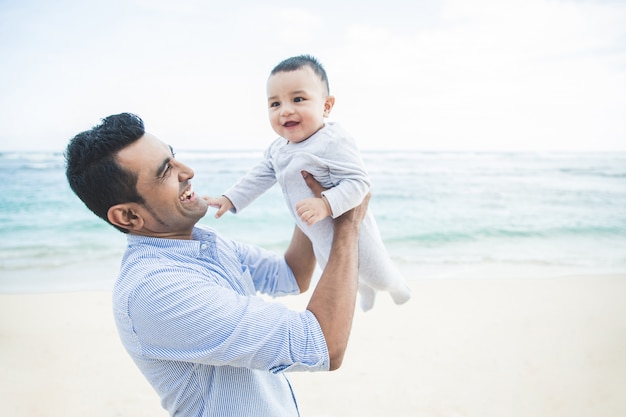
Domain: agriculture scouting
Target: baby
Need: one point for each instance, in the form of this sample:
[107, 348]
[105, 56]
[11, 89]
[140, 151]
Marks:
[299, 101]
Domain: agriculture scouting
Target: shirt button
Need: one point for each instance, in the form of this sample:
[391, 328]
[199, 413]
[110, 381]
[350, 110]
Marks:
[203, 246]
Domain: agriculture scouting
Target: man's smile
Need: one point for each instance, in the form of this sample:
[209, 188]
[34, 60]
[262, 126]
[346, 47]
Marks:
[187, 194]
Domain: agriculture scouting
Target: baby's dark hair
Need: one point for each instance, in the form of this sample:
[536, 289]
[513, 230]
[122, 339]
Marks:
[296, 62]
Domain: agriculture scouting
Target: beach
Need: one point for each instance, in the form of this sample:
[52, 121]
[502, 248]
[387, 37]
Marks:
[516, 263]
[466, 346]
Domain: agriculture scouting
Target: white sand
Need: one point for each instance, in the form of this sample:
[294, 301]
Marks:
[464, 347]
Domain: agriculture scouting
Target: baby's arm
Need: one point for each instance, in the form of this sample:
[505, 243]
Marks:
[348, 180]
[254, 183]
[222, 203]
[312, 210]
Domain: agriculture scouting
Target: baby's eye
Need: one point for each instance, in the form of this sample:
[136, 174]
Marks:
[298, 99]
[274, 104]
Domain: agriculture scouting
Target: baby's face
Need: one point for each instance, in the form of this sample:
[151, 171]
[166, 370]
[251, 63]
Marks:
[297, 103]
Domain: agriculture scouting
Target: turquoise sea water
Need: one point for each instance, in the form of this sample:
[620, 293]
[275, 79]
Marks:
[440, 214]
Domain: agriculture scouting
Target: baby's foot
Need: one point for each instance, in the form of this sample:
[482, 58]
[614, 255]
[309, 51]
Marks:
[367, 296]
[402, 295]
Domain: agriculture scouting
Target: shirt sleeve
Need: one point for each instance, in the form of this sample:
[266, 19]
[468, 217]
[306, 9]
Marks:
[269, 272]
[181, 315]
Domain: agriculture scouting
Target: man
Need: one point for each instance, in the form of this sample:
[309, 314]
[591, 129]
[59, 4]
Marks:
[185, 303]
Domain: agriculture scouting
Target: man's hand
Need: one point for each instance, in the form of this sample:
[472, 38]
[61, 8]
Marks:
[357, 214]
[222, 204]
[315, 186]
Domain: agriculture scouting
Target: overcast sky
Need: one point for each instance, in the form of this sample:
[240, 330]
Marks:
[427, 75]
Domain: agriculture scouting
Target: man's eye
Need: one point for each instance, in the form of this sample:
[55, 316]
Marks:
[166, 172]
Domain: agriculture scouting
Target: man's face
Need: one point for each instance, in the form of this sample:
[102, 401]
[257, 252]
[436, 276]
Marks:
[171, 207]
[297, 103]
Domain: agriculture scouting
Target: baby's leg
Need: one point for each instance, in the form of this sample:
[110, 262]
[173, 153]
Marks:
[376, 269]
[401, 294]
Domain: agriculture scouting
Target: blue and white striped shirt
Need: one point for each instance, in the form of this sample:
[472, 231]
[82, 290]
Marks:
[188, 314]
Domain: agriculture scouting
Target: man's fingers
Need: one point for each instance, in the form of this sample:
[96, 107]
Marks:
[312, 183]
[361, 209]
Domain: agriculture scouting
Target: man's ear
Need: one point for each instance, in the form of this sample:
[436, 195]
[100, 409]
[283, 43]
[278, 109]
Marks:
[328, 105]
[126, 216]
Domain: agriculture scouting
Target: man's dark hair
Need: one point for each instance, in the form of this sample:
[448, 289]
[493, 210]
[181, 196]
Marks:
[296, 62]
[91, 167]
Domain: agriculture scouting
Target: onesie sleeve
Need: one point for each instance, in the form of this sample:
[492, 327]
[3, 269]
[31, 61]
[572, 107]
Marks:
[255, 182]
[348, 172]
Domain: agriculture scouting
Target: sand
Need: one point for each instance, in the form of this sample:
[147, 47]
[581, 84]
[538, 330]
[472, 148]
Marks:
[541, 347]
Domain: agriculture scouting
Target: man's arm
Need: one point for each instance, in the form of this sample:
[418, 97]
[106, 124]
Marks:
[301, 259]
[334, 298]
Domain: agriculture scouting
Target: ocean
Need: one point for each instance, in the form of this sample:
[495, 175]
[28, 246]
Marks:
[442, 215]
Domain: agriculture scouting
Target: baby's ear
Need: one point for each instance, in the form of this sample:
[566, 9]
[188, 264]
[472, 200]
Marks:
[328, 105]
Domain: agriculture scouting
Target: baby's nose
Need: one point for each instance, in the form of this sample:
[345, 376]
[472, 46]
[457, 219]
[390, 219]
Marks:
[286, 110]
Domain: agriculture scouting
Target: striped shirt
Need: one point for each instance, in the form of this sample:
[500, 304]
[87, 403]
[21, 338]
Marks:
[188, 314]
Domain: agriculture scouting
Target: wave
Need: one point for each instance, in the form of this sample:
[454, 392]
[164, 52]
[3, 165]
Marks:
[37, 161]
[403, 235]
[30, 155]
[218, 155]
[594, 172]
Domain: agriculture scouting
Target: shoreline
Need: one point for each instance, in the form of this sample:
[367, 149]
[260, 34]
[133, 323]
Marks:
[101, 273]
[550, 347]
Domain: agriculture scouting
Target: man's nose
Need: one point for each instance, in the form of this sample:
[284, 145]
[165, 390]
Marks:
[184, 172]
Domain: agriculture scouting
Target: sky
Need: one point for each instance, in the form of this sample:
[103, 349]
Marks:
[433, 75]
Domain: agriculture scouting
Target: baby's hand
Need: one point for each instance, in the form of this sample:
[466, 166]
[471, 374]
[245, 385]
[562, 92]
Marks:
[222, 204]
[312, 210]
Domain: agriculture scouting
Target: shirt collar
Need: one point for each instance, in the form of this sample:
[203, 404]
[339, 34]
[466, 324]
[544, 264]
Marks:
[201, 234]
